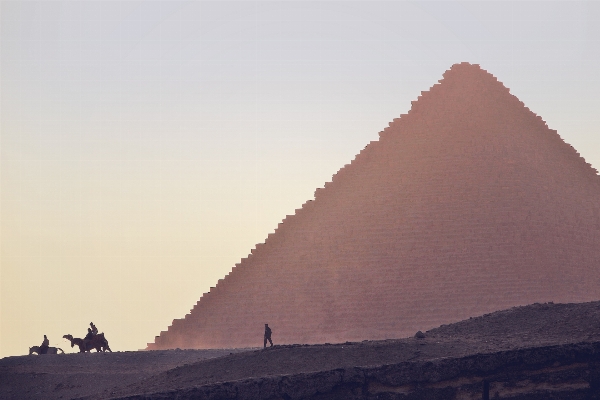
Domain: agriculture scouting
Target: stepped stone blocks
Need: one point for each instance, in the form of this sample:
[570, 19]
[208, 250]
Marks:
[467, 204]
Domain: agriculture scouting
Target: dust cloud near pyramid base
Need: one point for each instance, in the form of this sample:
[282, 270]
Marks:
[466, 205]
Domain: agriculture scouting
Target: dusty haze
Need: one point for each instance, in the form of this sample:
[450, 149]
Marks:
[467, 204]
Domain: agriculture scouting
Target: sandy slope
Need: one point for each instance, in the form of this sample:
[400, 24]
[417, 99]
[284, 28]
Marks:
[67, 376]
[107, 375]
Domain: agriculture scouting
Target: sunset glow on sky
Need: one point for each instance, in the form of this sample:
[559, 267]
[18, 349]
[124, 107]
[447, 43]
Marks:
[146, 147]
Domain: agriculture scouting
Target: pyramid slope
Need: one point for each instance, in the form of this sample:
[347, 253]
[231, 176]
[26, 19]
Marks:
[466, 205]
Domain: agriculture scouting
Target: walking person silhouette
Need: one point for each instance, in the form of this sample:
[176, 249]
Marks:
[268, 336]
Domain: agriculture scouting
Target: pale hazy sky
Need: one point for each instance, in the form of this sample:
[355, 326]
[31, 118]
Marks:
[146, 147]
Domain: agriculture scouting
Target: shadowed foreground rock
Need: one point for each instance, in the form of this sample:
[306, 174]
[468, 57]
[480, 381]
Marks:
[551, 372]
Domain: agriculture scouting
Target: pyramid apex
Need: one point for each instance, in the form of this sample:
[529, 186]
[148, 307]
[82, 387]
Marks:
[467, 68]
[465, 64]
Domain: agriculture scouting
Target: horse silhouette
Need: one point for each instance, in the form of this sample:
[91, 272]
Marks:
[51, 350]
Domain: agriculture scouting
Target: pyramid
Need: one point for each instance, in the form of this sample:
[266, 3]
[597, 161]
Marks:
[466, 205]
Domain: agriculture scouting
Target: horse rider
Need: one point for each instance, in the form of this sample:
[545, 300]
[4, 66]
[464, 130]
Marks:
[45, 345]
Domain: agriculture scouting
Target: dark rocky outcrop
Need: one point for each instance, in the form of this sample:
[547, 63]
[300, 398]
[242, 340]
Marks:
[551, 372]
[419, 335]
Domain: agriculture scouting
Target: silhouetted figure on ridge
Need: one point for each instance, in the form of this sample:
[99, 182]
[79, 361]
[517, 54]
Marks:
[268, 335]
[89, 335]
[45, 345]
[93, 328]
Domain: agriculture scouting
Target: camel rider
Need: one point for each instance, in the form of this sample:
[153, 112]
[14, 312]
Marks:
[44, 346]
[89, 335]
[93, 328]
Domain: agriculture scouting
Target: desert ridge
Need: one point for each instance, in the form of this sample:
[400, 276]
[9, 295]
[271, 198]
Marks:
[467, 204]
[536, 351]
